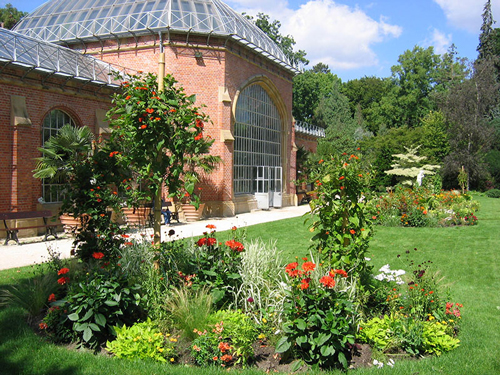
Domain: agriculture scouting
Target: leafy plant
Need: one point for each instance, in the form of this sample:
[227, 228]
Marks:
[493, 193]
[142, 341]
[343, 224]
[100, 302]
[239, 331]
[319, 315]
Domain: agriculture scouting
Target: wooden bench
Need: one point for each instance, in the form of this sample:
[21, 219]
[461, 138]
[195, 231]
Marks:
[137, 216]
[174, 215]
[14, 228]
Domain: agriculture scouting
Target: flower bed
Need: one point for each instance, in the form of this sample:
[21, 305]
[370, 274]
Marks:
[419, 207]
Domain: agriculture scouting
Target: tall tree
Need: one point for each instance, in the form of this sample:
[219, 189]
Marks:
[468, 109]
[308, 90]
[415, 77]
[334, 114]
[286, 43]
[9, 16]
[485, 47]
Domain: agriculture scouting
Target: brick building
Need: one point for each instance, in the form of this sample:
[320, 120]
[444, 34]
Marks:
[234, 69]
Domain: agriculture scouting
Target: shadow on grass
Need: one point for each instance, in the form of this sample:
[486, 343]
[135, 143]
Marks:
[21, 350]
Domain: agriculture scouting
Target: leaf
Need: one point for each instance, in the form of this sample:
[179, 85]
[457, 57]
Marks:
[342, 359]
[297, 365]
[94, 327]
[100, 319]
[88, 315]
[109, 303]
[323, 337]
[301, 340]
[283, 345]
[87, 334]
[301, 324]
[327, 350]
[73, 317]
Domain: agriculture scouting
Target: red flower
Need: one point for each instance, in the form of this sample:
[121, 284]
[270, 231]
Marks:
[211, 241]
[198, 137]
[291, 266]
[227, 358]
[304, 284]
[173, 110]
[338, 272]
[52, 298]
[63, 271]
[125, 236]
[210, 226]
[144, 126]
[234, 228]
[321, 161]
[308, 266]
[150, 110]
[352, 231]
[202, 241]
[327, 281]
[97, 255]
[127, 97]
[63, 280]
[43, 325]
[235, 245]
[341, 178]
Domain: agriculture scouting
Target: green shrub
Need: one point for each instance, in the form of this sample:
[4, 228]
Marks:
[239, 330]
[142, 341]
[98, 303]
[493, 193]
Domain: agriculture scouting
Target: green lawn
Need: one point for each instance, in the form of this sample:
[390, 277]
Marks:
[468, 257]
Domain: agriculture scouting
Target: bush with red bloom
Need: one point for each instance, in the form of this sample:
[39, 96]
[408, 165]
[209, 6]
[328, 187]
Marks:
[52, 298]
[327, 281]
[308, 266]
[202, 241]
[63, 271]
[97, 255]
[235, 245]
[63, 280]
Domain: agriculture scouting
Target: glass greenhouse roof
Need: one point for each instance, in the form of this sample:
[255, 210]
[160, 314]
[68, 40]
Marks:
[33, 54]
[76, 20]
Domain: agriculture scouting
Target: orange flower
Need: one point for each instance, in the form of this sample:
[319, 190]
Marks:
[173, 110]
[327, 281]
[210, 226]
[321, 161]
[43, 325]
[304, 284]
[97, 255]
[63, 271]
[150, 110]
[52, 298]
[341, 178]
[308, 266]
[144, 126]
[198, 137]
[352, 231]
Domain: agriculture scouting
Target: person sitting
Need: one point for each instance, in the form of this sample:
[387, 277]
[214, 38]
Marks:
[166, 215]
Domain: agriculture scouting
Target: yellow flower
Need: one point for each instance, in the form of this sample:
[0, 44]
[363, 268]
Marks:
[168, 334]
[261, 336]
[173, 339]
[431, 317]
[264, 320]
[172, 359]
[160, 349]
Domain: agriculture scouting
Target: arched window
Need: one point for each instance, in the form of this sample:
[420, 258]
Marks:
[52, 122]
[257, 137]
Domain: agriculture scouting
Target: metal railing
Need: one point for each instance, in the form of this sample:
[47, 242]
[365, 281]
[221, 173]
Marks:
[50, 58]
[308, 129]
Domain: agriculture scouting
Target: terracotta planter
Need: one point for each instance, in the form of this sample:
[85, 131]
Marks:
[191, 213]
[71, 224]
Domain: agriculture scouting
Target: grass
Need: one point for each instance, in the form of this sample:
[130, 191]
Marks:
[468, 257]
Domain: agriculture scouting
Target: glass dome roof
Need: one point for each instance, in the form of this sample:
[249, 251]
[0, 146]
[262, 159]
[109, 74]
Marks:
[76, 20]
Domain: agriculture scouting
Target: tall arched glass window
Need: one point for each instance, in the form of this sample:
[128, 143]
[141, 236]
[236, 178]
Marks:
[52, 122]
[257, 137]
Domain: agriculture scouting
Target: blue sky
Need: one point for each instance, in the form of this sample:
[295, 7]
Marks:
[365, 37]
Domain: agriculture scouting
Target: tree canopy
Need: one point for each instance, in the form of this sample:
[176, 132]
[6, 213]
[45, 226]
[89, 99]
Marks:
[9, 16]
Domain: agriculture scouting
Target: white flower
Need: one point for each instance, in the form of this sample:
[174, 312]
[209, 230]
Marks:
[390, 363]
[93, 181]
[378, 364]
[277, 332]
[368, 259]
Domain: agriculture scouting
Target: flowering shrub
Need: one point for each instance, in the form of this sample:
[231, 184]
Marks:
[142, 341]
[344, 225]
[216, 266]
[209, 348]
[420, 207]
[319, 315]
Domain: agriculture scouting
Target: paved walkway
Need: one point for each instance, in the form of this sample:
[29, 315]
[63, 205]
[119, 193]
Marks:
[34, 250]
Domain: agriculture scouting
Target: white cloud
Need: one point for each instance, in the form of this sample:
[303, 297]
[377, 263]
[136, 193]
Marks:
[440, 41]
[337, 35]
[467, 14]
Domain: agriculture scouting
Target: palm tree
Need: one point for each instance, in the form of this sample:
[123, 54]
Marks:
[69, 145]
